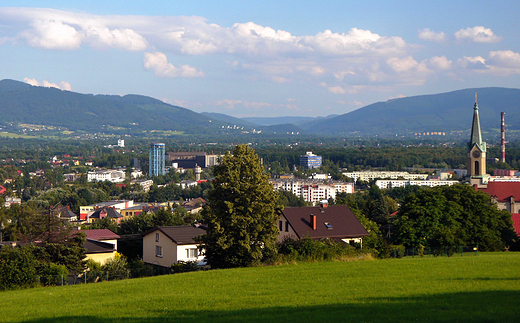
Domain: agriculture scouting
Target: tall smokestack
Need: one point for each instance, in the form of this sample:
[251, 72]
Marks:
[503, 138]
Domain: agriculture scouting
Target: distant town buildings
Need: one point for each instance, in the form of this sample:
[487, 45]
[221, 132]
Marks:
[313, 191]
[368, 176]
[192, 159]
[309, 161]
[157, 159]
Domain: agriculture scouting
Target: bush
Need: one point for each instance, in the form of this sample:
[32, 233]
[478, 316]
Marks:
[17, 268]
[53, 274]
[185, 266]
[307, 249]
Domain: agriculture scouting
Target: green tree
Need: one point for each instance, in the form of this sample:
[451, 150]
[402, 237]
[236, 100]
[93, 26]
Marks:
[452, 216]
[17, 268]
[241, 212]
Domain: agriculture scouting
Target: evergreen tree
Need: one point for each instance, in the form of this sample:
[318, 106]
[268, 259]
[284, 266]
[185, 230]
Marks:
[241, 212]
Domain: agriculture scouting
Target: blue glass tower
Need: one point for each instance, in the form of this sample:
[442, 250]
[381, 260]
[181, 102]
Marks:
[157, 161]
[309, 160]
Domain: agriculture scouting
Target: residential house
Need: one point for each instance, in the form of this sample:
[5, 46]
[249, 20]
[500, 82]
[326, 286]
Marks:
[321, 222]
[194, 205]
[104, 212]
[164, 246]
[100, 245]
[64, 212]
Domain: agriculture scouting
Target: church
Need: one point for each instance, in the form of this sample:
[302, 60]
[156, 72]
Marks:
[503, 193]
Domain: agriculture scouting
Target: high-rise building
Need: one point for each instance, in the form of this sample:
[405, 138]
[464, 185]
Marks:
[309, 160]
[157, 161]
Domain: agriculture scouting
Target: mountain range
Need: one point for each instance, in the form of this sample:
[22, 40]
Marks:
[444, 112]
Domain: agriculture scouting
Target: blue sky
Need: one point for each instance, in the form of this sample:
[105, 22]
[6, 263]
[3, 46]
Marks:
[262, 58]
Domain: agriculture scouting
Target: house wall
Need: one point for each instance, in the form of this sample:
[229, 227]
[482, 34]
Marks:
[182, 254]
[101, 257]
[169, 254]
[286, 231]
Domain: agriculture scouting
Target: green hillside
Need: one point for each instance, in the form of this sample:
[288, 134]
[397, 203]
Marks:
[23, 103]
[483, 288]
[446, 112]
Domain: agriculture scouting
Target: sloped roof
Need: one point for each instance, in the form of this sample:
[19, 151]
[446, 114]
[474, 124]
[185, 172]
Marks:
[503, 190]
[65, 212]
[94, 246]
[342, 223]
[101, 234]
[516, 222]
[111, 213]
[180, 234]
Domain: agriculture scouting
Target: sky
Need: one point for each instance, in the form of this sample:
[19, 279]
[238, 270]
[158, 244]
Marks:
[262, 58]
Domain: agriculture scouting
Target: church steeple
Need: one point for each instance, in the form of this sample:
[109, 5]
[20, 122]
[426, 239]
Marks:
[476, 151]
[476, 134]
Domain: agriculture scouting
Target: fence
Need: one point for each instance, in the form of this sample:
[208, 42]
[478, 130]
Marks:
[96, 276]
[442, 251]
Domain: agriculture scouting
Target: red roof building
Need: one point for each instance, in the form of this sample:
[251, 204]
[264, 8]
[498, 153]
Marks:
[505, 194]
[516, 222]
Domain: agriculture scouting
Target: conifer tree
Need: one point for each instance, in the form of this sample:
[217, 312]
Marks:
[241, 212]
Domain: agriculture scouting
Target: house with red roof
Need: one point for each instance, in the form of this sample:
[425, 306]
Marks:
[321, 222]
[505, 194]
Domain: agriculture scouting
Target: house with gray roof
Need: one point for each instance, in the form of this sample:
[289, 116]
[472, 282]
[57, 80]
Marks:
[164, 246]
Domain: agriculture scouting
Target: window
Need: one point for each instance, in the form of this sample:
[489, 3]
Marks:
[287, 226]
[158, 251]
[192, 253]
[280, 225]
[328, 225]
[157, 237]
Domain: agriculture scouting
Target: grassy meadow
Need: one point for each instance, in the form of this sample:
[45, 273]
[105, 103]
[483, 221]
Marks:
[483, 288]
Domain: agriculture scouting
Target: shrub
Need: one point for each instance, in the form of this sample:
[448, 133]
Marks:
[185, 266]
[17, 268]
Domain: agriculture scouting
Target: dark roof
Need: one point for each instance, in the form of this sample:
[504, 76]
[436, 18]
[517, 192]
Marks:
[111, 213]
[94, 246]
[65, 212]
[180, 234]
[101, 234]
[336, 222]
[503, 190]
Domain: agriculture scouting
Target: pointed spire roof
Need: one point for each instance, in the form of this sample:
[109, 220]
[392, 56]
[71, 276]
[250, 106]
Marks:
[476, 134]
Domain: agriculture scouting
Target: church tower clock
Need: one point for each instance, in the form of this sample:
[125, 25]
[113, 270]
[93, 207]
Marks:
[476, 151]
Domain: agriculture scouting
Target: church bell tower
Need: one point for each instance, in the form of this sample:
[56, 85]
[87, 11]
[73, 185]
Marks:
[476, 152]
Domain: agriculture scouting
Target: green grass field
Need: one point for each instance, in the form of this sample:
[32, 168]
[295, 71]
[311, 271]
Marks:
[483, 288]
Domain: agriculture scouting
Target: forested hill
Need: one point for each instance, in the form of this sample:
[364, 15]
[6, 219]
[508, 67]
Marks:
[23, 103]
[444, 112]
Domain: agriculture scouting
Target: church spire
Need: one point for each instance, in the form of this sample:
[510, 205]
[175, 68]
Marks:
[476, 134]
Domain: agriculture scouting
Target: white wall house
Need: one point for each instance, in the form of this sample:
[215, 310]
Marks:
[164, 246]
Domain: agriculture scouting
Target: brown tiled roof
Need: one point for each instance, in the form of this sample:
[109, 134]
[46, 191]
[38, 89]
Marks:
[180, 234]
[101, 234]
[342, 223]
[516, 222]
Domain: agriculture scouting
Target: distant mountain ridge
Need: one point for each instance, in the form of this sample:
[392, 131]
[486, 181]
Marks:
[451, 111]
[24, 103]
[444, 112]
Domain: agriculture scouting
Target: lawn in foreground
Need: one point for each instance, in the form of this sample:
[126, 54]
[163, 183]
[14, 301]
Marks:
[484, 288]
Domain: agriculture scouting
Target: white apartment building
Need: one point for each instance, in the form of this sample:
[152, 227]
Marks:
[371, 175]
[312, 190]
[389, 183]
[115, 176]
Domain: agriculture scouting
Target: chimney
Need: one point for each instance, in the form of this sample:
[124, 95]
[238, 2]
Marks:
[503, 138]
[313, 222]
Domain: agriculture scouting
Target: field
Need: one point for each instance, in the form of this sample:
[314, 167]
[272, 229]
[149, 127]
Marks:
[483, 288]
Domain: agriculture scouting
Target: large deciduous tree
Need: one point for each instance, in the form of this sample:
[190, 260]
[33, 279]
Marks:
[453, 216]
[241, 212]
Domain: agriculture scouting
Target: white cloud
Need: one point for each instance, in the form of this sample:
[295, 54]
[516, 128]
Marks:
[430, 35]
[477, 34]
[337, 90]
[158, 62]
[440, 63]
[229, 104]
[406, 64]
[62, 86]
[52, 35]
[477, 62]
